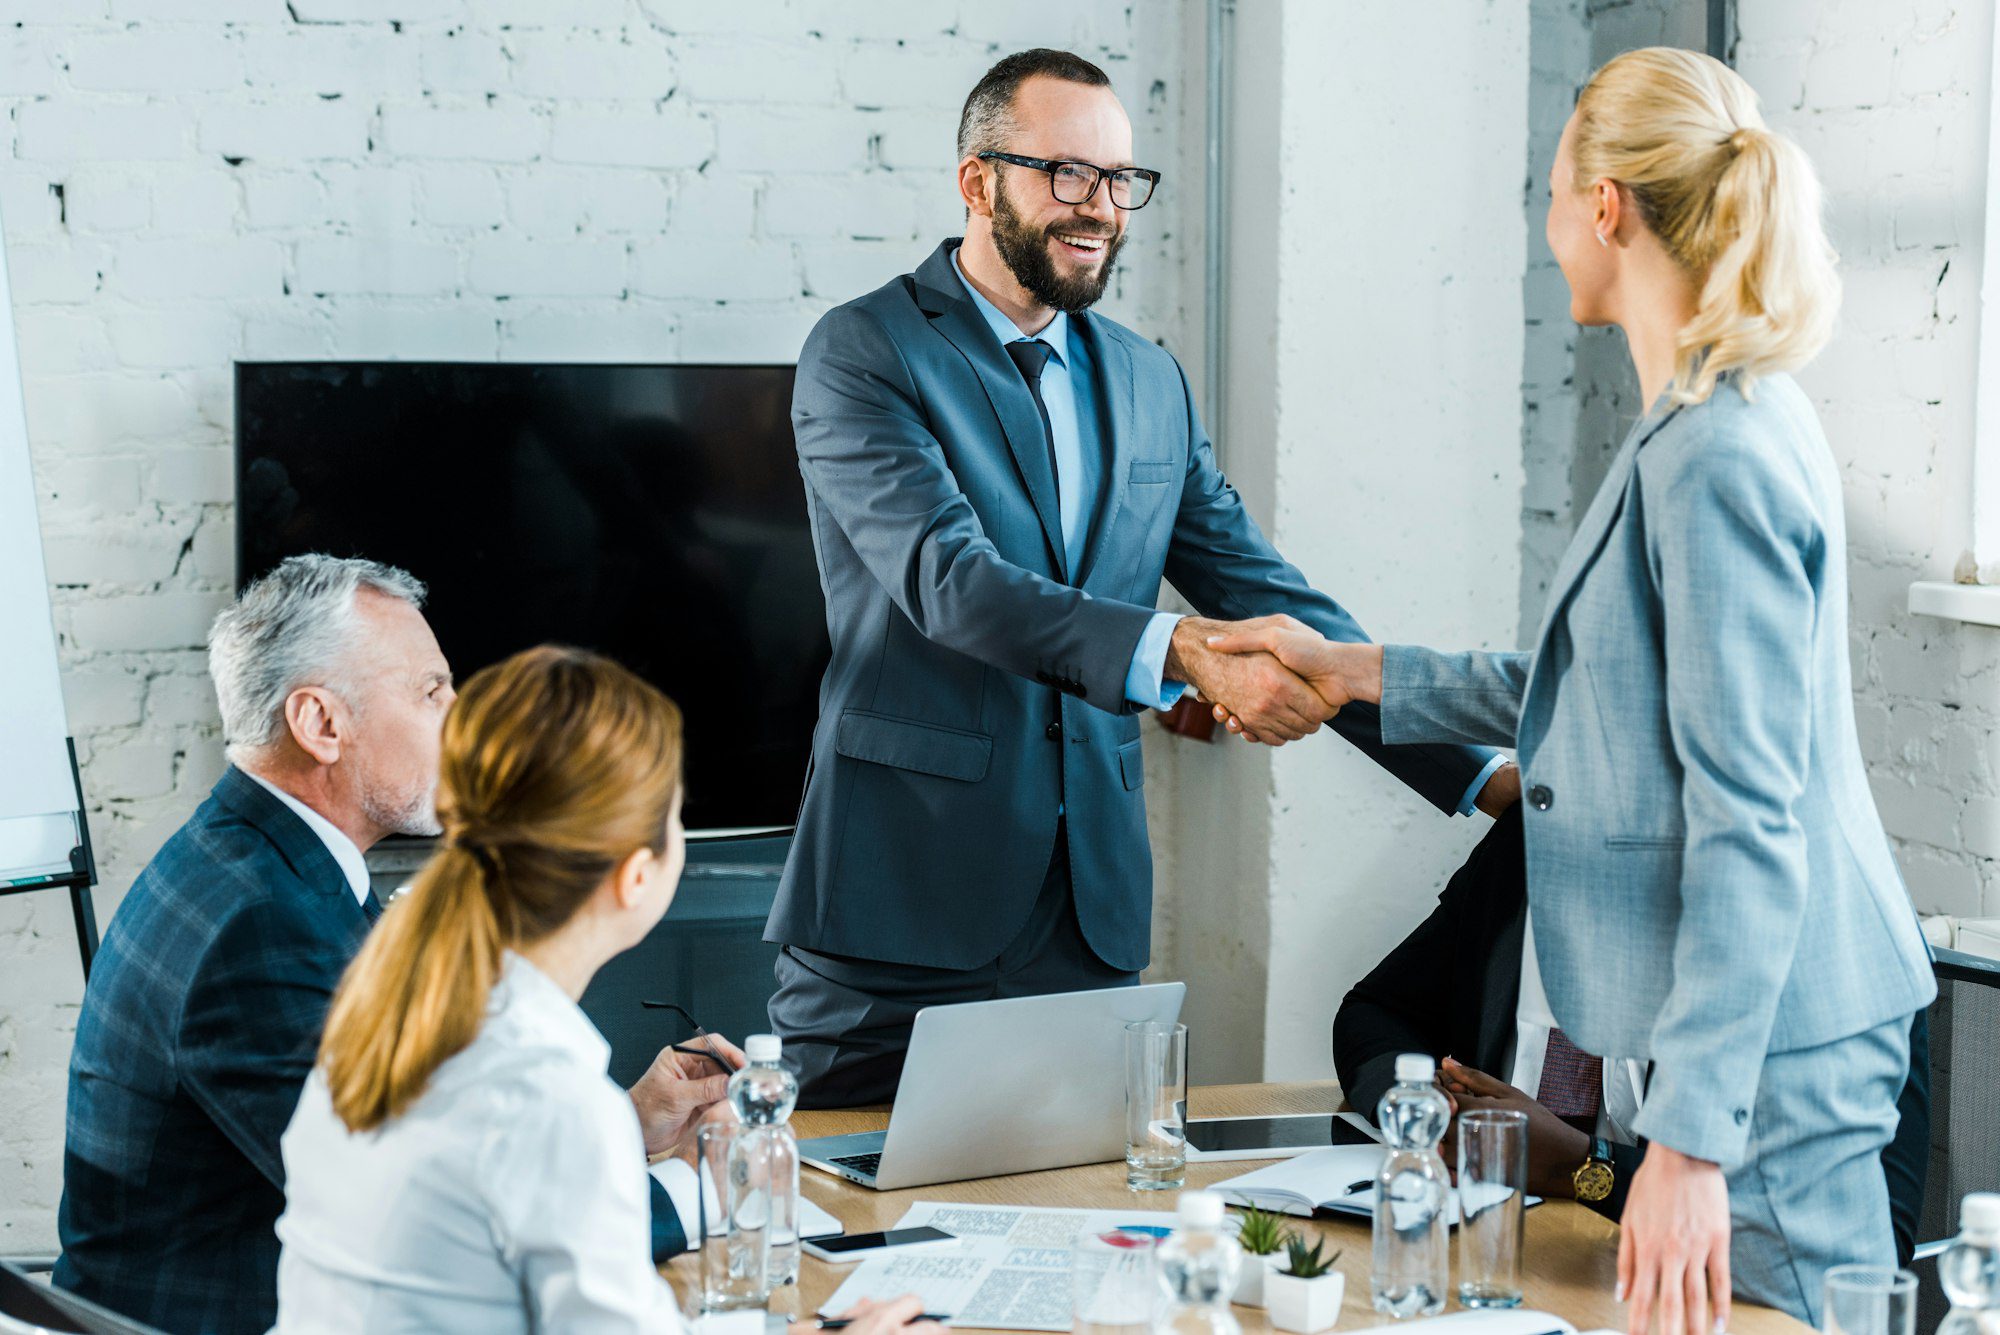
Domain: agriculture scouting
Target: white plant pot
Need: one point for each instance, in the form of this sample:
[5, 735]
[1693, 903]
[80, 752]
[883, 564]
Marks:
[1304, 1306]
[1250, 1280]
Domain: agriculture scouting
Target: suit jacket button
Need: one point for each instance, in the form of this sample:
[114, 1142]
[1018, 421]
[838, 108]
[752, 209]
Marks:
[1053, 732]
[1540, 797]
[1742, 1116]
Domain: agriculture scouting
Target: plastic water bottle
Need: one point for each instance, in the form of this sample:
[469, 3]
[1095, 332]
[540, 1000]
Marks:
[1197, 1268]
[767, 1158]
[1969, 1270]
[1412, 1235]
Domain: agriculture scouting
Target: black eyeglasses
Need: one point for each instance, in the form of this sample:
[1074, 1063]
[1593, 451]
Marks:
[1076, 182]
[708, 1048]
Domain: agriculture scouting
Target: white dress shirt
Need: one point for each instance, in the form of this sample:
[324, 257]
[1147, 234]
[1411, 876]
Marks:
[345, 853]
[509, 1197]
[1624, 1079]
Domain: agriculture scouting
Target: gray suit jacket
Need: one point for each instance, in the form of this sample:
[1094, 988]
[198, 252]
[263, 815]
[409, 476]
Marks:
[1708, 876]
[976, 685]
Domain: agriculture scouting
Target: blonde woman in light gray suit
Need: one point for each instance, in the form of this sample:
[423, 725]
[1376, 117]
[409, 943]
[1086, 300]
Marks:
[1712, 893]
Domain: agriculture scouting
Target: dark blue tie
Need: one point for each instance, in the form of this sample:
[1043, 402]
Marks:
[1032, 357]
[372, 906]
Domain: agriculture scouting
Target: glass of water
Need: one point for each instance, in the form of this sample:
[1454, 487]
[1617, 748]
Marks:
[735, 1194]
[1111, 1283]
[1155, 1106]
[1492, 1179]
[1869, 1300]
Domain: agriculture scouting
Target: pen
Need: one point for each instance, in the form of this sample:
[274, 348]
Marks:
[842, 1322]
[1353, 1187]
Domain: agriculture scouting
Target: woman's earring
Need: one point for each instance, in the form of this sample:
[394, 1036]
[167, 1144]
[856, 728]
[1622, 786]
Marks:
[1601, 241]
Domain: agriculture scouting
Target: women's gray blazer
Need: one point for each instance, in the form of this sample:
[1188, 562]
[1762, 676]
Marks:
[1708, 875]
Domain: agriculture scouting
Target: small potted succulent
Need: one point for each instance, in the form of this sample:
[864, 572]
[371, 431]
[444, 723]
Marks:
[1305, 1296]
[1263, 1239]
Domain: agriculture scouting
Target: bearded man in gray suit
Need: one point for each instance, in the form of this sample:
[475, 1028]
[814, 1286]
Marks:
[998, 481]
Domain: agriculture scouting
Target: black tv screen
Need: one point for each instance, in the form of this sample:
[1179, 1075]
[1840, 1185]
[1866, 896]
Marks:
[651, 513]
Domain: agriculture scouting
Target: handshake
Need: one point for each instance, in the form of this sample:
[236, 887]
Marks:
[1274, 679]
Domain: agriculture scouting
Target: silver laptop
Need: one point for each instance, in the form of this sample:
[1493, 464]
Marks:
[997, 1087]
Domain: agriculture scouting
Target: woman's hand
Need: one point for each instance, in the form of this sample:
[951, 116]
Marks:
[1341, 673]
[870, 1317]
[1673, 1245]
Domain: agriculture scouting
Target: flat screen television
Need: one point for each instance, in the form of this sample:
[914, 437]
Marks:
[651, 513]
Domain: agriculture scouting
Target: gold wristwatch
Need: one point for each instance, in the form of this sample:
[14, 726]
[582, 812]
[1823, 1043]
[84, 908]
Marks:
[1594, 1177]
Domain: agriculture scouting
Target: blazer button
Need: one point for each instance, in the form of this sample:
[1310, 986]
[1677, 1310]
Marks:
[1742, 1115]
[1053, 732]
[1540, 797]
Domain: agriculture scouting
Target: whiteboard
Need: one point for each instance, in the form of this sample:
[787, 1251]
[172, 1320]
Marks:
[37, 794]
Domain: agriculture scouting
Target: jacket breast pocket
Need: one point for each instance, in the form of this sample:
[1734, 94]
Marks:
[1148, 472]
[907, 744]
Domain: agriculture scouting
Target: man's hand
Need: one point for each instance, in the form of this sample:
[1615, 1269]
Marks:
[1338, 672]
[676, 1089]
[1555, 1148]
[879, 1318]
[1503, 790]
[688, 1146]
[1271, 702]
[1673, 1245]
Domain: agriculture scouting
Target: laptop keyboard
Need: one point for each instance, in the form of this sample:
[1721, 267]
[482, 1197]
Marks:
[871, 1164]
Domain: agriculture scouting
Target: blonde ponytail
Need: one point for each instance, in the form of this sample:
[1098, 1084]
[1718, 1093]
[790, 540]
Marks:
[555, 765]
[1735, 204]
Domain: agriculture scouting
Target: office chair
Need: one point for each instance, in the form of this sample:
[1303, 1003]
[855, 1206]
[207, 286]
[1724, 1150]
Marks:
[1965, 1110]
[31, 1308]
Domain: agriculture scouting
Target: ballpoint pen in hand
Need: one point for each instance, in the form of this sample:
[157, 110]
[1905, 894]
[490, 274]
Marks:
[842, 1322]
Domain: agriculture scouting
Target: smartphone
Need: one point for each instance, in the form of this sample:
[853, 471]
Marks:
[1272, 1137]
[856, 1246]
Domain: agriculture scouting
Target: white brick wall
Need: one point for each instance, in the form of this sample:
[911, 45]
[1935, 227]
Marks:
[186, 182]
[1891, 101]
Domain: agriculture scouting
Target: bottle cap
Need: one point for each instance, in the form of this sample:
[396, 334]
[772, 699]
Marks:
[1978, 1213]
[763, 1048]
[1415, 1068]
[1201, 1209]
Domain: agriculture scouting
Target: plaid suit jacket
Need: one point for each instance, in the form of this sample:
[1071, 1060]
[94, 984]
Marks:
[199, 1026]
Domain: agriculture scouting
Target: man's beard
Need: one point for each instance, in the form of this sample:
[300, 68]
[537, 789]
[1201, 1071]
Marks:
[1025, 250]
[403, 813]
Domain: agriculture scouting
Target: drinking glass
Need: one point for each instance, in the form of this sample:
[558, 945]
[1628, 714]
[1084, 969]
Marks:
[1155, 1105]
[1112, 1284]
[735, 1193]
[1869, 1300]
[1492, 1179]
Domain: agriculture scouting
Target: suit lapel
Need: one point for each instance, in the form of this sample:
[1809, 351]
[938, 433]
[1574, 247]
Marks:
[1597, 523]
[300, 847]
[1113, 365]
[942, 298]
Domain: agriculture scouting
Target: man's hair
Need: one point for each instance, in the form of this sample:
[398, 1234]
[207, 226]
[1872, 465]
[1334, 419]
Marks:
[988, 117]
[292, 627]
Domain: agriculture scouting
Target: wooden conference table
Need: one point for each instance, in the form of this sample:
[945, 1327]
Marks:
[1569, 1264]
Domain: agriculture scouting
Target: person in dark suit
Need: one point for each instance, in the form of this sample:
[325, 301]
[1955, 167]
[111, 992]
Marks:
[203, 1013]
[998, 480]
[1454, 989]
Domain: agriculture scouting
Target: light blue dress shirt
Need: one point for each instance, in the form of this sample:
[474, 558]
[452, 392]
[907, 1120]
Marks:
[1079, 478]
